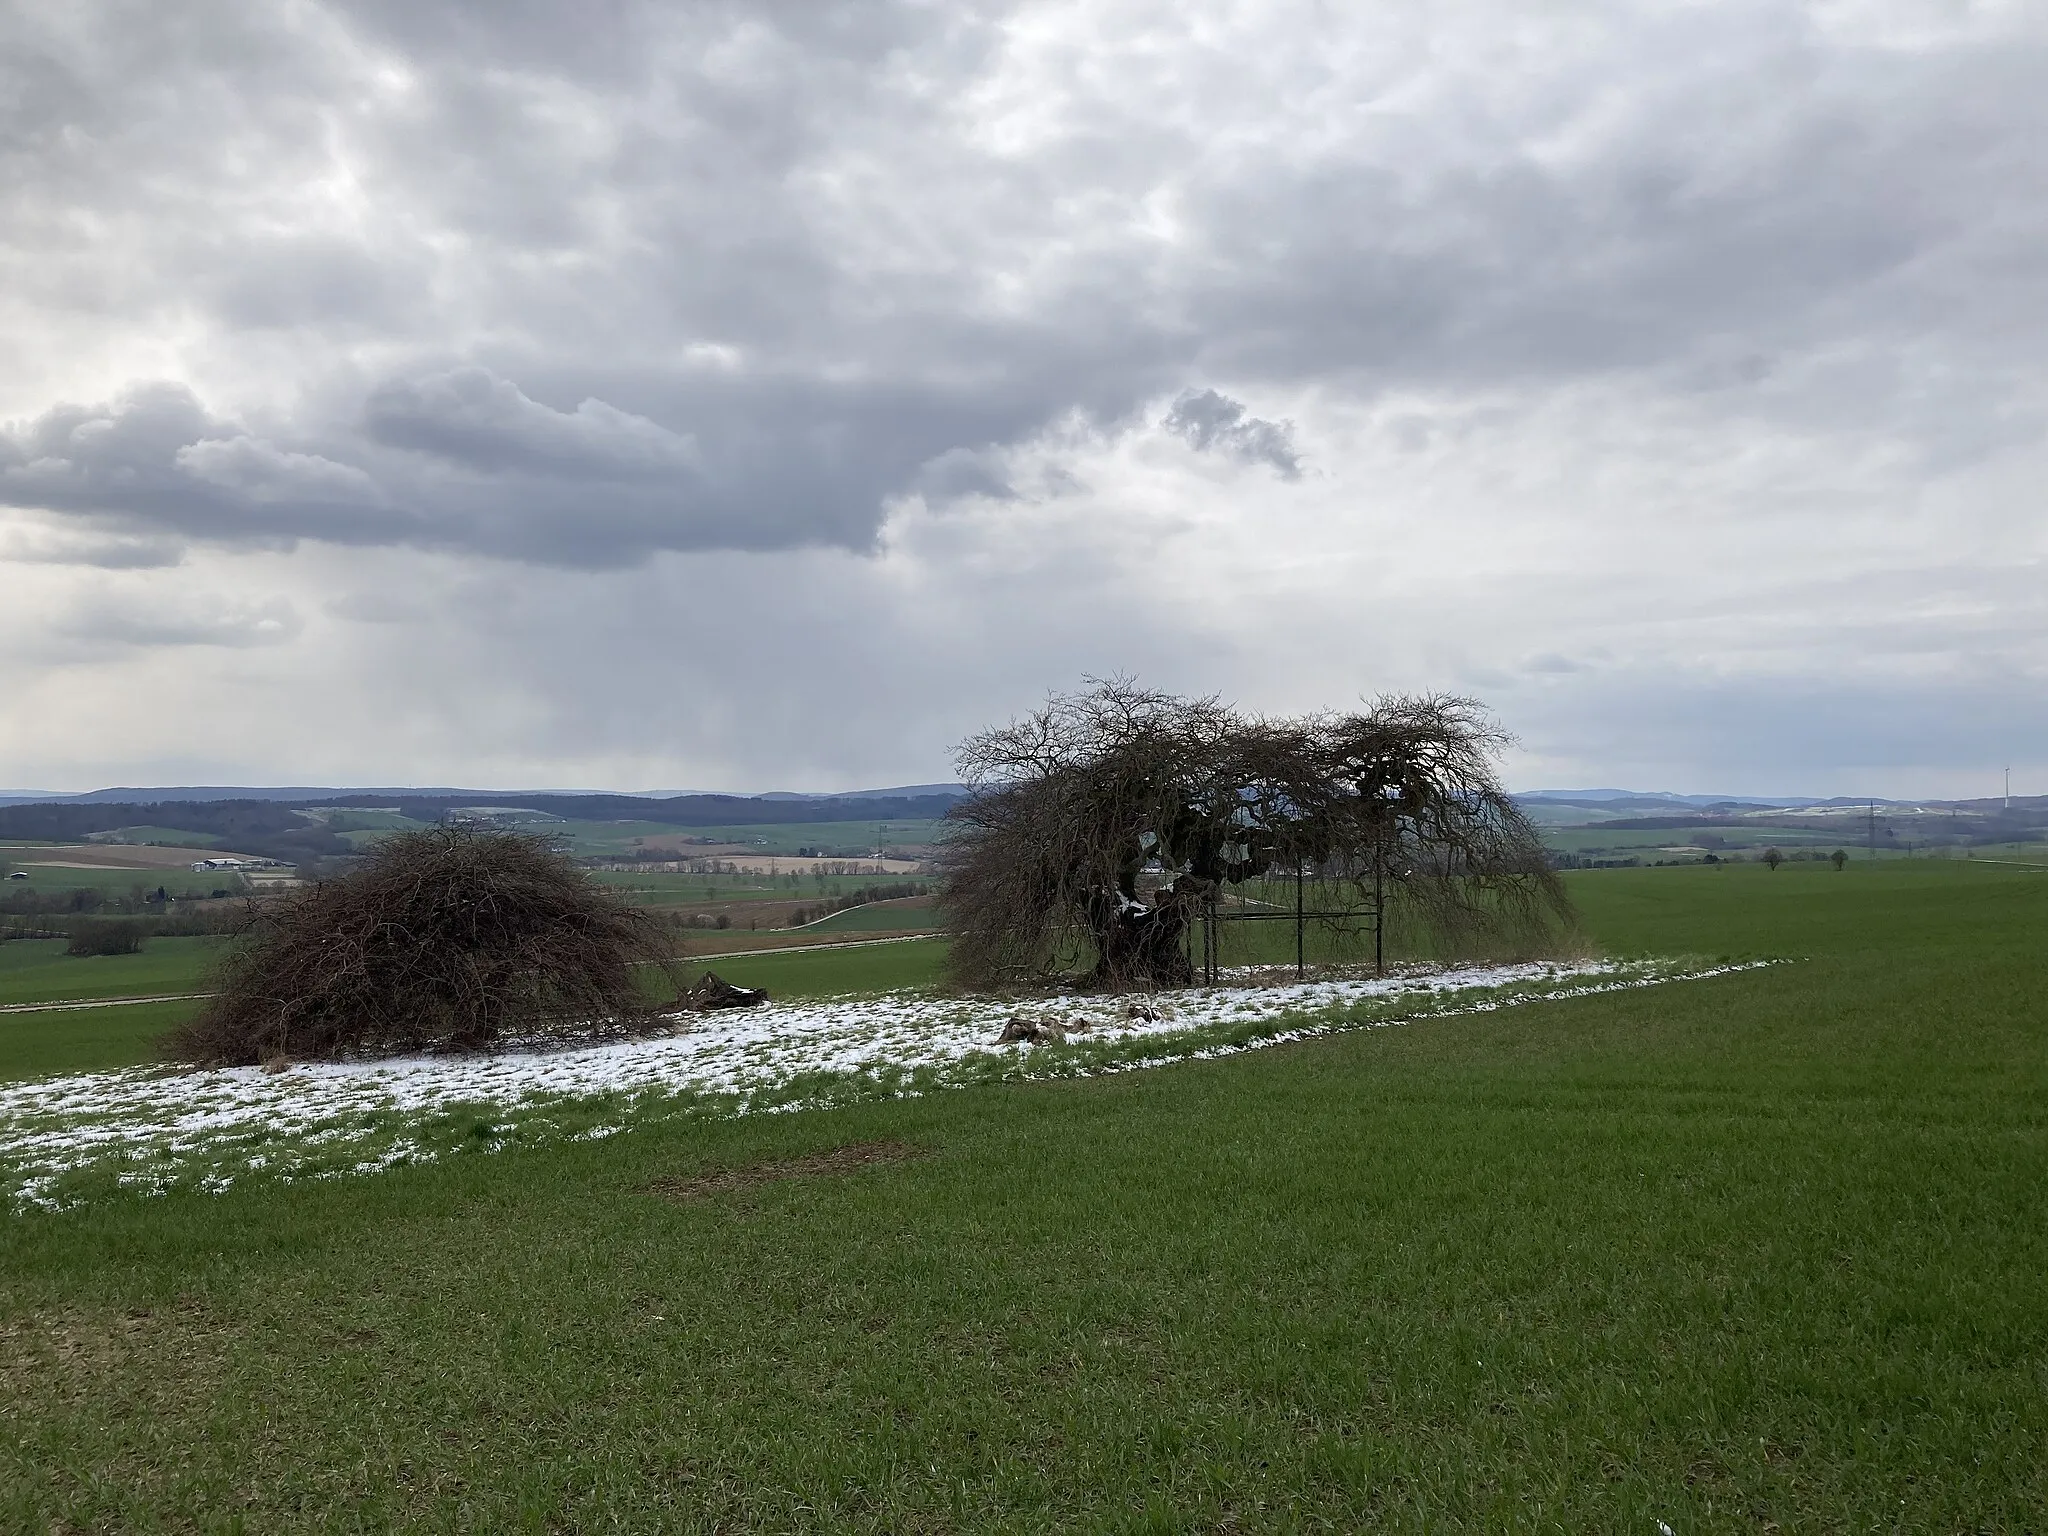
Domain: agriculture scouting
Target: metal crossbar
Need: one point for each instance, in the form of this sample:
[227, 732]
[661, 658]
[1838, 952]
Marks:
[1300, 916]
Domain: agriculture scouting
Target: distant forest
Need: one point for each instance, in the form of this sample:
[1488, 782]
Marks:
[276, 830]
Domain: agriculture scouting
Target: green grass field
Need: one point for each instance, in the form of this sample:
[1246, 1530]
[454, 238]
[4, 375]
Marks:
[1901, 839]
[38, 970]
[854, 839]
[163, 837]
[1760, 1252]
[840, 839]
[830, 972]
[47, 1041]
[878, 917]
[662, 888]
[47, 879]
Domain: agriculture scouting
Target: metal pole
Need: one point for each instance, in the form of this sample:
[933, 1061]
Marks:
[1379, 915]
[1300, 922]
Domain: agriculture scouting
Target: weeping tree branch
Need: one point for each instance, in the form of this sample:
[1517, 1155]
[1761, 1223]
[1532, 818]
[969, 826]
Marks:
[1114, 816]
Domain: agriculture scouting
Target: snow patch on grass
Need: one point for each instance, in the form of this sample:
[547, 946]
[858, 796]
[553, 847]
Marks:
[152, 1130]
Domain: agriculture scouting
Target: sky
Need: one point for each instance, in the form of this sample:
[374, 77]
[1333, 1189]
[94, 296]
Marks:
[767, 395]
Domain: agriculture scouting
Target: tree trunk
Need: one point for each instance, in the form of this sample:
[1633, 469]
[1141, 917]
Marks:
[1139, 946]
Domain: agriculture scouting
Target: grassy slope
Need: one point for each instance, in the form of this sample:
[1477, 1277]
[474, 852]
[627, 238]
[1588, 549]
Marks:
[880, 917]
[826, 972]
[1764, 1249]
[49, 880]
[84, 1039]
[38, 970]
[661, 888]
[90, 1039]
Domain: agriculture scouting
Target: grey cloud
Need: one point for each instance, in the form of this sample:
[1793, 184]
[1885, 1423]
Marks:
[322, 281]
[504, 281]
[144, 621]
[472, 417]
[374, 608]
[66, 546]
[262, 473]
[961, 472]
[157, 461]
[1213, 422]
[1821, 736]
[695, 278]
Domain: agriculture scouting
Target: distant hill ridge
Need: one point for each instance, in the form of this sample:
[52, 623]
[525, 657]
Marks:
[279, 828]
[311, 794]
[333, 794]
[1608, 797]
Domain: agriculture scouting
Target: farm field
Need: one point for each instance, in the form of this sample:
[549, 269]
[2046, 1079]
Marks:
[666, 888]
[904, 913]
[53, 1040]
[836, 839]
[38, 970]
[47, 1041]
[1761, 1250]
[50, 879]
[831, 971]
[1745, 840]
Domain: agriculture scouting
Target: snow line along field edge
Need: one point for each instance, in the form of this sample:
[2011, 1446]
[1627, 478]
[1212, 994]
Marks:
[152, 1130]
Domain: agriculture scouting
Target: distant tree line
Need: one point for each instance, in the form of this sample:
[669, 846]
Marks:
[1960, 829]
[1771, 856]
[261, 827]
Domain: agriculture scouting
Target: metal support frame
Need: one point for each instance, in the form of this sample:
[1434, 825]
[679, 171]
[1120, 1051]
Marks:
[1211, 938]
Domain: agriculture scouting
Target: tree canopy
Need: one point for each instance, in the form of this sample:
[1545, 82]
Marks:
[1118, 813]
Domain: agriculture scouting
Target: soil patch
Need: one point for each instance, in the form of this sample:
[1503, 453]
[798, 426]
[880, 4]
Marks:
[812, 1165]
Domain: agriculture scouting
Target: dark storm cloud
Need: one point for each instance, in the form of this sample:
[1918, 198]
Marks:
[575, 285]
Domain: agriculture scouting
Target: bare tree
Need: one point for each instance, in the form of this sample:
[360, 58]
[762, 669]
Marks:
[1113, 816]
[451, 938]
[1773, 858]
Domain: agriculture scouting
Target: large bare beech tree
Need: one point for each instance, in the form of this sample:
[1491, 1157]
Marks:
[1117, 814]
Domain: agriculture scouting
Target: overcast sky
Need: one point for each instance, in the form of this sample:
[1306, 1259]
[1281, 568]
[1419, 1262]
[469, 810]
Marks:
[765, 395]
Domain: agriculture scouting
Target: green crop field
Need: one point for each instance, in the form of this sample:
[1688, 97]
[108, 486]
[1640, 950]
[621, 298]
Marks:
[49, 1041]
[38, 970]
[52, 1040]
[662, 888]
[597, 839]
[163, 837]
[879, 917]
[46, 879]
[832, 971]
[1924, 837]
[1764, 1251]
